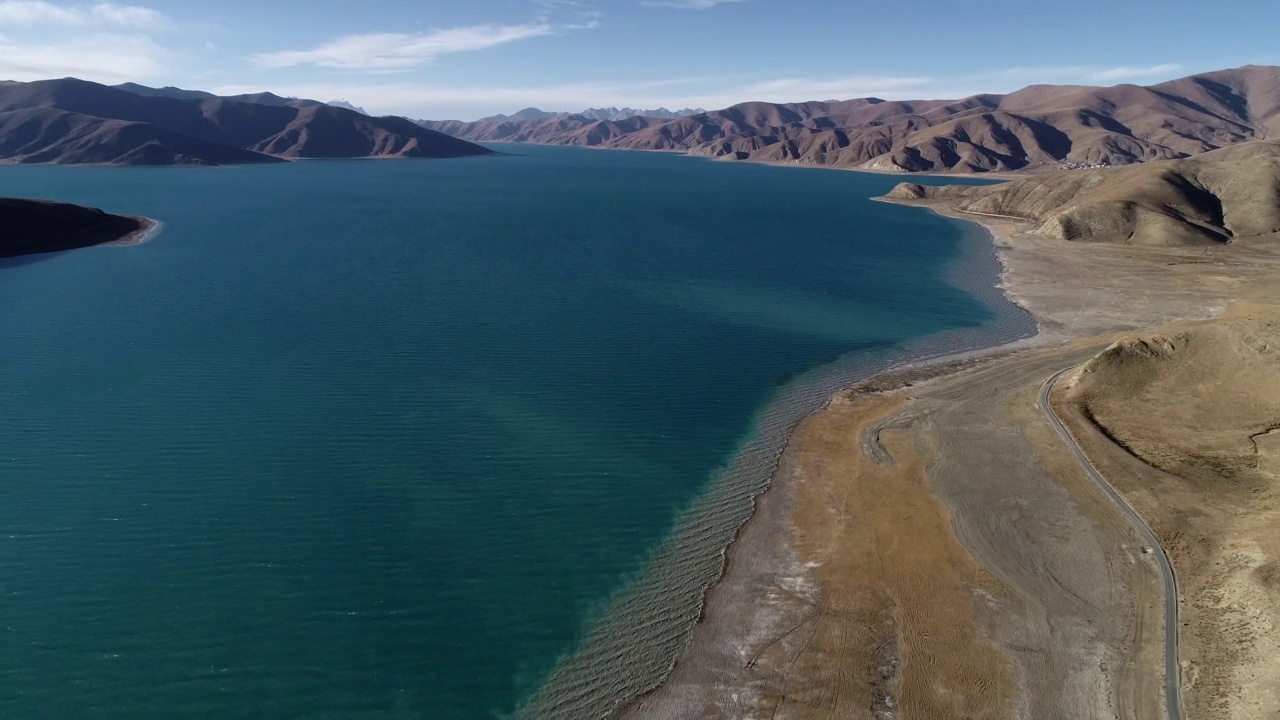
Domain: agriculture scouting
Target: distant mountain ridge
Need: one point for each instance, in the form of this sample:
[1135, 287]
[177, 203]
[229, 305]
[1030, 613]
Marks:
[529, 113]
[1217, 197]
[72, 121]
[612, 113]
[539, 126]
[262, 98]
[1038, 126]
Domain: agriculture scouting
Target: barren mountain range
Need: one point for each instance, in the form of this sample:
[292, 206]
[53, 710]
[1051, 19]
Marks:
[74, 121]
[1038, 126]
[1041, 126]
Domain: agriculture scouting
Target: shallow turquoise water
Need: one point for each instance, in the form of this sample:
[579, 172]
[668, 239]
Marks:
[376, 438]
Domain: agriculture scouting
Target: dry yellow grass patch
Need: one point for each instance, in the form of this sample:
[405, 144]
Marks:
[896, 624]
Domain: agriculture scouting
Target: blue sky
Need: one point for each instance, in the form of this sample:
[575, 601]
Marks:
[438, 60]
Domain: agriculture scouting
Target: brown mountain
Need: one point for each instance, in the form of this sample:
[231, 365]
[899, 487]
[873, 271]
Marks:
[41, 135]
[324, 131]
[1212, 198]
[73, 121]
[38, 226]
[1038, 126]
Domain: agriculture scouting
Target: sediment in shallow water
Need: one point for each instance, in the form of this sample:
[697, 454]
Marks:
[636, 642]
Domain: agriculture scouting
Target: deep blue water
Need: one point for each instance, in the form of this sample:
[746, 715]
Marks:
[376, 438]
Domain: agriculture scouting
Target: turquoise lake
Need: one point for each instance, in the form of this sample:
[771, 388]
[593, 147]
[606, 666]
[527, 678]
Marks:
[369, 439]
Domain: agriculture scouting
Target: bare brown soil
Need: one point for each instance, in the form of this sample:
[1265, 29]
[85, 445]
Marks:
[953, 553]
[905, 629]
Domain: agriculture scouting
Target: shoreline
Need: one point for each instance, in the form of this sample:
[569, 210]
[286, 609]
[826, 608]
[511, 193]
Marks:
[147, 231]
[109, 230]
[994, 174]
[759, 562]
[1095, 653]
[749, 483]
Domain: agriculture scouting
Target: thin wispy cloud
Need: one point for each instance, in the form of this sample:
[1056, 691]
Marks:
[843, 88]
[36, 13]
[469, 102]
[1088, 73]
[1132, 73]
[401, 51]
[426, 101]
[573, 5]
[568, 14]
[688, 4]
[589, 24]
[108, 58]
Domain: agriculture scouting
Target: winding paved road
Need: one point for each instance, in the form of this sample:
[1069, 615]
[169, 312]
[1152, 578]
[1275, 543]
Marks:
[1173, 696]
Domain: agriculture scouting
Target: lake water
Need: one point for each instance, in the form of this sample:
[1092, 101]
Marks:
[407, 438]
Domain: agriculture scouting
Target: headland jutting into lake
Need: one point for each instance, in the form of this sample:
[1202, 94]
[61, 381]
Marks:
[40, 226]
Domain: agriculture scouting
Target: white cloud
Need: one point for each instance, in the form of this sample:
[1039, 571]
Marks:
[588, 23]
[1116, 74]
[1087, 73]
[469, 102]
[127, 15]
[108, 58]
[33, 13]
[25, 13]
[797, 89]
[688, 4]
[400, 51]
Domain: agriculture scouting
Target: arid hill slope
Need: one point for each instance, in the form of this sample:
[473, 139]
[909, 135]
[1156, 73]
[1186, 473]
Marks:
[1036, 126]
[1215, 388]
[73, 121]
[1202, 404]
[1212, 198]
[38, 226]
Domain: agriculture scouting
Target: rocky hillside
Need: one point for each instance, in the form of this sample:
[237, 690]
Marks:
[1041, 125]
[1216, 197]
[72, 121]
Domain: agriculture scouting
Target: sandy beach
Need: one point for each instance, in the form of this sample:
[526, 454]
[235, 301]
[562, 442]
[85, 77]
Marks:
[927, 543]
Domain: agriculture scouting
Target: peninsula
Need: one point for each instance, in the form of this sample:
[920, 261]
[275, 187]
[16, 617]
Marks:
[41, 226]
